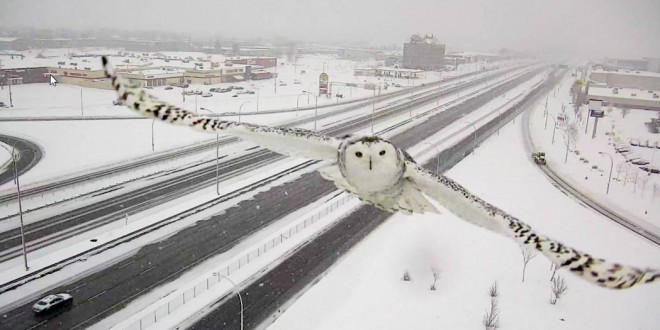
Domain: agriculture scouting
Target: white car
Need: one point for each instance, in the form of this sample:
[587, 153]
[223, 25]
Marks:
[52, 302]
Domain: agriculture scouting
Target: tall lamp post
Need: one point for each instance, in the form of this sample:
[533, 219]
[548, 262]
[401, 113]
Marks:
[238, 293]
[316, 107]
[217, 157]
[309, 88]
[611, 165]
[239, 110]
[474, 144]
[257, 99]
[152, 134]
[15, 157]
[437, 162]
[298, 99]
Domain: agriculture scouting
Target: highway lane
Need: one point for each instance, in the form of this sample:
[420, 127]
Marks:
[108, 290]
[65, 225]
[30, 156]
[575, 192]
[267, 296]
[208, 145]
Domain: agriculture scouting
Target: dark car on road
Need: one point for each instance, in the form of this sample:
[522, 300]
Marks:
[52, 302]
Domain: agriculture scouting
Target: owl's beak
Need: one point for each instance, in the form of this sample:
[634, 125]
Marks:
[369, 163]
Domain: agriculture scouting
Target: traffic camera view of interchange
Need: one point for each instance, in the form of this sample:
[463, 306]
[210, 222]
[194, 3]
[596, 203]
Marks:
[362, 165]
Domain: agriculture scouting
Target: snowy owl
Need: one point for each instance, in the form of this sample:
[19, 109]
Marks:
[387, 177]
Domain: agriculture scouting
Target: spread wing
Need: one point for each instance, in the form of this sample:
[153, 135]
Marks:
[287, 141]
[475, 210]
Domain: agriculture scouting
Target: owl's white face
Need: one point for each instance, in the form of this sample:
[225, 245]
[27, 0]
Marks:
[372, 165]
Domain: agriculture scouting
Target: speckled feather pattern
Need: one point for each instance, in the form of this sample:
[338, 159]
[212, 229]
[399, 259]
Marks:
[595, 270]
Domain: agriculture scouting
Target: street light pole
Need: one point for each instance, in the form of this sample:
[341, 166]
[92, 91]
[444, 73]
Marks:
[238, 293]
[152, 134]
[217, 158]
[412, 93]
[611, 165]
[15, 156]
[474, 144]
[373, 112]
[239, 110]
[309, 87]
[81, 104]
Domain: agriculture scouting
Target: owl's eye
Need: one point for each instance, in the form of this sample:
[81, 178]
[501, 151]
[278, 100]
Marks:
[358, 154]
[382, 152]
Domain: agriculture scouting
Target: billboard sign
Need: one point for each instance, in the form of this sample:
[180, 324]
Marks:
[595, 105]
[323, 83]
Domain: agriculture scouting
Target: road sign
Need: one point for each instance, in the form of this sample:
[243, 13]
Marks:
[323, 83]
[597, 113]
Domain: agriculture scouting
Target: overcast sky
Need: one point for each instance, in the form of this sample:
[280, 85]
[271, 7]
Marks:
[603, 27]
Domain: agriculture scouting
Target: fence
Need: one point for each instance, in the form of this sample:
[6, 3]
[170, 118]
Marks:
[181, 299]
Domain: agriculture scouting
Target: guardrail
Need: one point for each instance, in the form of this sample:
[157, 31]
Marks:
[153, 315]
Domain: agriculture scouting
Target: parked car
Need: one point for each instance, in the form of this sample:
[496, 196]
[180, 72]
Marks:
[169, 87]
[224, 90]
[249, 92]
[235, 95]
[52, 302]
[3, 105]
[117, 102]
[198, 92]
[237, 87]
[207, 94]
[148, 87]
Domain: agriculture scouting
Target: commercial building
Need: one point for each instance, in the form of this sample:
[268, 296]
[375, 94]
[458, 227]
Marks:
[265, 62]
[423, 53]
[644, 64]
[20, 76]
[631, 98]
[627, 79]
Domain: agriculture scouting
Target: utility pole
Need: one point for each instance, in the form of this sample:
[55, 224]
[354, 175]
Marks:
[14, 157]
[81, 104]
[11, 101]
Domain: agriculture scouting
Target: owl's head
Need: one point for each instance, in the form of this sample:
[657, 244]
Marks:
[371, 162]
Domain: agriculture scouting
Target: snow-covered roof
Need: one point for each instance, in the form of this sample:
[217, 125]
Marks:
[7, 39]
[629, 73]
[624, 93]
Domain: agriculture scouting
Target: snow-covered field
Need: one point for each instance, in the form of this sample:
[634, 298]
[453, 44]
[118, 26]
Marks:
[633, 192]
[365, 289]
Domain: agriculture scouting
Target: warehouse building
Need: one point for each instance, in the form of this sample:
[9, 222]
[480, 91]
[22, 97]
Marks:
[423, 53]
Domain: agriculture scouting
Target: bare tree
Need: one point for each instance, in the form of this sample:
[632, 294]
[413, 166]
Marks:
[558, 289]
[491, 320]
[493, 292]
[406, 276]
[527, 255]
[553, 268]
[570, 136]
[436, 276]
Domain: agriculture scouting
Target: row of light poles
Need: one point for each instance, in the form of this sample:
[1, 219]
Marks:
[217, 157]
[16, 155]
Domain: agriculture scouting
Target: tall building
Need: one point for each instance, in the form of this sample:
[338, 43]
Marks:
[423, 53]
